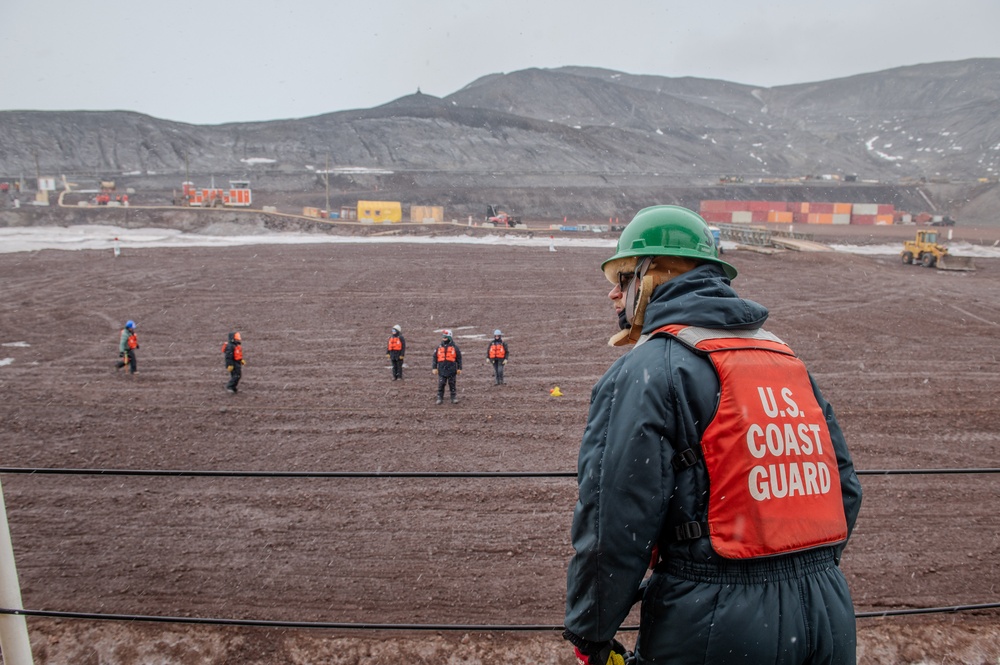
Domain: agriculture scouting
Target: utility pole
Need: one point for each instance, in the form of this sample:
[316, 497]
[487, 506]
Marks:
[327, 174]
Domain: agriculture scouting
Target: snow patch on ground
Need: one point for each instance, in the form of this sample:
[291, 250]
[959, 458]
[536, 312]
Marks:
[100, 237]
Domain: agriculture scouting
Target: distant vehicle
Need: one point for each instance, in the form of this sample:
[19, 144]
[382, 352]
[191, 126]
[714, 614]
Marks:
[942, 221]
[498, 217]
[925, 250]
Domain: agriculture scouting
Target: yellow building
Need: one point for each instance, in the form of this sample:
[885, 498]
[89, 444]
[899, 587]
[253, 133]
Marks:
[376, 212]
[427, 214]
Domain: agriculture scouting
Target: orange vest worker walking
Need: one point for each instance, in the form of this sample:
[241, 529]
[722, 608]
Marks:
[233, 352]
[128, 344]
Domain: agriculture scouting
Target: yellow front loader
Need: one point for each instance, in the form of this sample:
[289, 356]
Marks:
[928, 252]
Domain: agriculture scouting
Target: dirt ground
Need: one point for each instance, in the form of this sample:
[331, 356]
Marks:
[907, 356]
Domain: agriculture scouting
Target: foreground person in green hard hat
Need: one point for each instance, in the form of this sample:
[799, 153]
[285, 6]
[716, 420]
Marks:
[710, 456]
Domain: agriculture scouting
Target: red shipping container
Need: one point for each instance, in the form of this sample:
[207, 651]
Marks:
[713, 206]
[717, 217]
[862, 219]
[886, 209]
[822, 208]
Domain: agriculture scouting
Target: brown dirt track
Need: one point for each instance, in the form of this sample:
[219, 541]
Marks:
[906, 355]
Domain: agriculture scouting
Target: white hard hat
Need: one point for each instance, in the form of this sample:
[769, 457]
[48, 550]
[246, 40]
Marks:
[446, 333]
[497, 333]
[397, 328]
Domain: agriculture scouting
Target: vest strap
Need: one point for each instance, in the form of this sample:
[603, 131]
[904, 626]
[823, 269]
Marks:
[690, 531]
[685, 459]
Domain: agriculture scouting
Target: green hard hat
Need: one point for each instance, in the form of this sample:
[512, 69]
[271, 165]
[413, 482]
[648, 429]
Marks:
[669, 231]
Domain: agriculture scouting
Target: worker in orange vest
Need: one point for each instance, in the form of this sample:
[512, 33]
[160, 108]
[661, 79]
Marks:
[396, 351]
[128, 344]
[233, 352]
[447, 366]
[497, 355]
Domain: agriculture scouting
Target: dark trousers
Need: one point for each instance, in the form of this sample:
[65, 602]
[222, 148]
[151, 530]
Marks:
[450, 380]
[498, 371]
[234, 377]
[128, 360]
[397, 367]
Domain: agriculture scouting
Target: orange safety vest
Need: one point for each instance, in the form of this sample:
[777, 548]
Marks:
[774, 485]
[237, 350]
[133, 341]
[395, 344]
[446, 353]
[497, 351]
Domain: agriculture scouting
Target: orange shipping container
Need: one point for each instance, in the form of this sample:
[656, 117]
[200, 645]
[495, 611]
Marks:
[779, 217]
[820, 218]
[842, 208]
[883, 219]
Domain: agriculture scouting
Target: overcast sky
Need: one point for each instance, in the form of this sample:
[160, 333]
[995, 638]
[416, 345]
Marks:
[214, 61]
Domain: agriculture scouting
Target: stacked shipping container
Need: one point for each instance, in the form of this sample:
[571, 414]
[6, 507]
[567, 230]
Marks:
[796, 212]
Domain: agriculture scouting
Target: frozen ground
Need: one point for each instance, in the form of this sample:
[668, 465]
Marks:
[907, 357]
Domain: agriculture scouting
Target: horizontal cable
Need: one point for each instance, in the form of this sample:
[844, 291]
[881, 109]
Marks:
[284, 624]
[398, 474]
[928, 610]
[293, 474]
[485, 628]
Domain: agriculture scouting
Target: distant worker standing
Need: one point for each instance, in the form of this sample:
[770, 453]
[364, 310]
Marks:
[233, 352]
[396, 351]
[447, 365]
[498, 354]
[128, 344]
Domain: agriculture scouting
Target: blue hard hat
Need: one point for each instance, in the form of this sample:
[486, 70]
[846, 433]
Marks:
[130, 324]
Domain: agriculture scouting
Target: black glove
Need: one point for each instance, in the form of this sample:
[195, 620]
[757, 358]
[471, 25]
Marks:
[121, 354]
[612, 652]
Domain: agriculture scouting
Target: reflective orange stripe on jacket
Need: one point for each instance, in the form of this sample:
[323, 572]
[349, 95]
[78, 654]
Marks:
[497, 352]
[395, 344]
[446, 353]
[774, 485]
